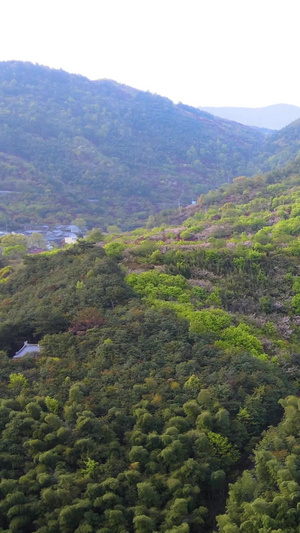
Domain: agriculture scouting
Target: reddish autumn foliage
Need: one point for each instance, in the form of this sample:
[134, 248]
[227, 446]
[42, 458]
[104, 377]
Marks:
[85, 319]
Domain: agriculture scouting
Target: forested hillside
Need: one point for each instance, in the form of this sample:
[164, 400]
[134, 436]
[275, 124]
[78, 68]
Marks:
[164, 356]
[267, 497]
[107, 153]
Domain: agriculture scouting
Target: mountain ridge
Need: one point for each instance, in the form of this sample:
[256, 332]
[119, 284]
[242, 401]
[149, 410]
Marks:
[108, 154]
[131, 151]
[273, 117]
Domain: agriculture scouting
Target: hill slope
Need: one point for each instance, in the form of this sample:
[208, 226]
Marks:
[273, 117]
[280, 149]
[72, 147]
[163, 357]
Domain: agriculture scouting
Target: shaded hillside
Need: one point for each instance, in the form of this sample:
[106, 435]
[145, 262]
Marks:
[273, 117]
[281, 148]
[70, 147]
[268, 495]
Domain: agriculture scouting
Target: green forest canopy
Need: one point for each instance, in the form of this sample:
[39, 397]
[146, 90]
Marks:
[163, 359]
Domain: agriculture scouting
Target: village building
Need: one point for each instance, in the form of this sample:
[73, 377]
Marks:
[27, 349]
[71, 239]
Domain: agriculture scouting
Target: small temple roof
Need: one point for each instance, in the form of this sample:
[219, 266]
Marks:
[27, 348]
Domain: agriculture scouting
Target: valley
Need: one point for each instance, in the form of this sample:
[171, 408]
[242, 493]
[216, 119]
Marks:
[111, 154]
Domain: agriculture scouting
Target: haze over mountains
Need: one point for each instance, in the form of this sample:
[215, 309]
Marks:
[110, 154]
[273, 117]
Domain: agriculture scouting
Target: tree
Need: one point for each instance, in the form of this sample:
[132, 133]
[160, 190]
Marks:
[143, 524]
[94, 235]
[37, 240]
[13, 239]
[113, 229]
[17, 381]
[79, 222]
[14, 252]
[147, 494]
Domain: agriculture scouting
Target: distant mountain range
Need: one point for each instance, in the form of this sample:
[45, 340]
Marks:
[273, 117]
[108, 154]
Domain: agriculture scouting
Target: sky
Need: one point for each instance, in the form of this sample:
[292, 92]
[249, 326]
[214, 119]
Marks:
[199, 52]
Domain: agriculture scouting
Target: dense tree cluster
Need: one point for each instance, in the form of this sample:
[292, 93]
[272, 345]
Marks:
[266, 498]
[161, 365]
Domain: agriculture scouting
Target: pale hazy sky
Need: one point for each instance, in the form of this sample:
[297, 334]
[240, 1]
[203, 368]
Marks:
[200, 52]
